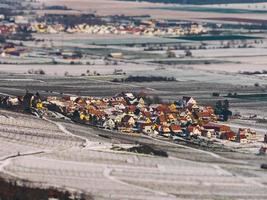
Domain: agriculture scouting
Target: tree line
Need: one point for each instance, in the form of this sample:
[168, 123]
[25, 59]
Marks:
[144, 79]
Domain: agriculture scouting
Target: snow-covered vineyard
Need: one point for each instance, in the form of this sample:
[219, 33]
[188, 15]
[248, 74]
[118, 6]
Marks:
[50, 154]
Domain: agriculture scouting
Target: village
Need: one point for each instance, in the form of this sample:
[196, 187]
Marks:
[98, 25]
[137, 114]
[147, 28]
[16, 29]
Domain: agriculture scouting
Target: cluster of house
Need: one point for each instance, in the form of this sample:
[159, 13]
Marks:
[7, 29]
[130, 113]
[9, 25]
[120, 29]
[10, 49]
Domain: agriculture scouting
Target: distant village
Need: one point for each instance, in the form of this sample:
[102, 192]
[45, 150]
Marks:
[14, 24]
[16, 27]
[135, 114]
[148, 28]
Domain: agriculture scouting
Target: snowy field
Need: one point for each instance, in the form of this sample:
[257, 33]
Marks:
[113, 7]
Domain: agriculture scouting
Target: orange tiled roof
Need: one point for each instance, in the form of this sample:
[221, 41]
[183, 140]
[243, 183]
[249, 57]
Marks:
[175, 127]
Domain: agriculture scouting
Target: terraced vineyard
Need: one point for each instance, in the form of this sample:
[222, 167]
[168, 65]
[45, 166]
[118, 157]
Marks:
[34, 133]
